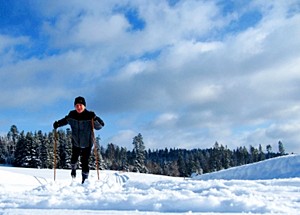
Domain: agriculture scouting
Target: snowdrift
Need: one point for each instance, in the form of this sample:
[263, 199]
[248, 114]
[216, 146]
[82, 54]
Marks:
[275, 168]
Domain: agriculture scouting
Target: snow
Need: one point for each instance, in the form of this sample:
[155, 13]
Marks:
[267, 187]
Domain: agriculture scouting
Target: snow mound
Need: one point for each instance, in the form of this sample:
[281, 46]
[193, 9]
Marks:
[275, 168]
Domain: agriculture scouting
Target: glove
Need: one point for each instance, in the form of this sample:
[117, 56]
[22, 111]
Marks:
[99, 120]
[55, 125]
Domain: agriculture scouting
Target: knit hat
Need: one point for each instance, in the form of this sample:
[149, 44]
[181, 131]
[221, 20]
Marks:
[79, 100]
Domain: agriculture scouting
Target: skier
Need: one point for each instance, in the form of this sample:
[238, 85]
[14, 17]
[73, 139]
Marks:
[80, 121]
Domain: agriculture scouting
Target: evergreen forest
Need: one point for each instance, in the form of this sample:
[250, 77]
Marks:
[36, 150]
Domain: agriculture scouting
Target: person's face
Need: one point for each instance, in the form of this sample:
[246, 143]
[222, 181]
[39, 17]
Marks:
[79, 108]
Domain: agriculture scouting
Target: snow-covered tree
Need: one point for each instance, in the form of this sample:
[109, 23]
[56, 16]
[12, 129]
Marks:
[64, 148]
[3, 151]
[96, 155]
[12, 137]
[44, 150]
[139, 154]
[20, 151]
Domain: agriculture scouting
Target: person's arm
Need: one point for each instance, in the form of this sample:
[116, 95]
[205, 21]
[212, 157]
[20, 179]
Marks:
[61, 122]
[98, 123]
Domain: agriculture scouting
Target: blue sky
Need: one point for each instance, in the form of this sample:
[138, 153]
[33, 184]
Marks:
[184, 74]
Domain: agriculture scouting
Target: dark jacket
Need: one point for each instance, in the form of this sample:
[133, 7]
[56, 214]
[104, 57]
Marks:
[81, 125]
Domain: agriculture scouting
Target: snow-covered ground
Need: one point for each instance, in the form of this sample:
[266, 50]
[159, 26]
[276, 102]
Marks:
[268, 187]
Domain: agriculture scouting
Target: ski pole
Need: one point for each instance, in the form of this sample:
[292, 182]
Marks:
[54, 154]
[95, 150]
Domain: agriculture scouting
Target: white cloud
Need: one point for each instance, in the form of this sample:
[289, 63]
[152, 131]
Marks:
[165, 119]
[7, 42]
[123, 138]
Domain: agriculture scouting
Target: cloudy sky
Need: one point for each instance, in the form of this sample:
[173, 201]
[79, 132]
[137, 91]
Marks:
[184, 74]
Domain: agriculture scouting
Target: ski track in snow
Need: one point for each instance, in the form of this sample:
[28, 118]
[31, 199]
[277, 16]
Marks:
[34, 191]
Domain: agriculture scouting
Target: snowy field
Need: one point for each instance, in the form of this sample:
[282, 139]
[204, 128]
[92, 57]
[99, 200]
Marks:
[268, 187]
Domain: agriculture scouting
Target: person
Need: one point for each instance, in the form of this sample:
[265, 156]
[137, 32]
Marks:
[80, 121]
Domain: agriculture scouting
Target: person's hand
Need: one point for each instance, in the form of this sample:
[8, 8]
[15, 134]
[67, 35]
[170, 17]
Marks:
[99, 120]
[55, 125]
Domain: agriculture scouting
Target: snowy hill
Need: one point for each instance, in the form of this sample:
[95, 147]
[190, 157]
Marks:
[281, 167]
[33, 191]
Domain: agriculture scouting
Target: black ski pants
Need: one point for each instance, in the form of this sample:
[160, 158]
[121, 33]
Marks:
[84, 154]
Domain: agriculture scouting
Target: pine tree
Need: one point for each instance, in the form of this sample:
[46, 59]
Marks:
[110, 155]
[216, 158]
[51, 140]
[100, 150]
[35, 151]
[254, 154]
[3, 151]
[269, 151]
[62, 150]
[20, 153]
[31, 155]
[139, 153]
[182, 166]
[262, 156]
[124, 159]
[12, 136]
[26, 153]
[226, 157]
[281, 148]
[44, 150]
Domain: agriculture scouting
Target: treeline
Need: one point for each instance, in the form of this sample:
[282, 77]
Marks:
[35, 150]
